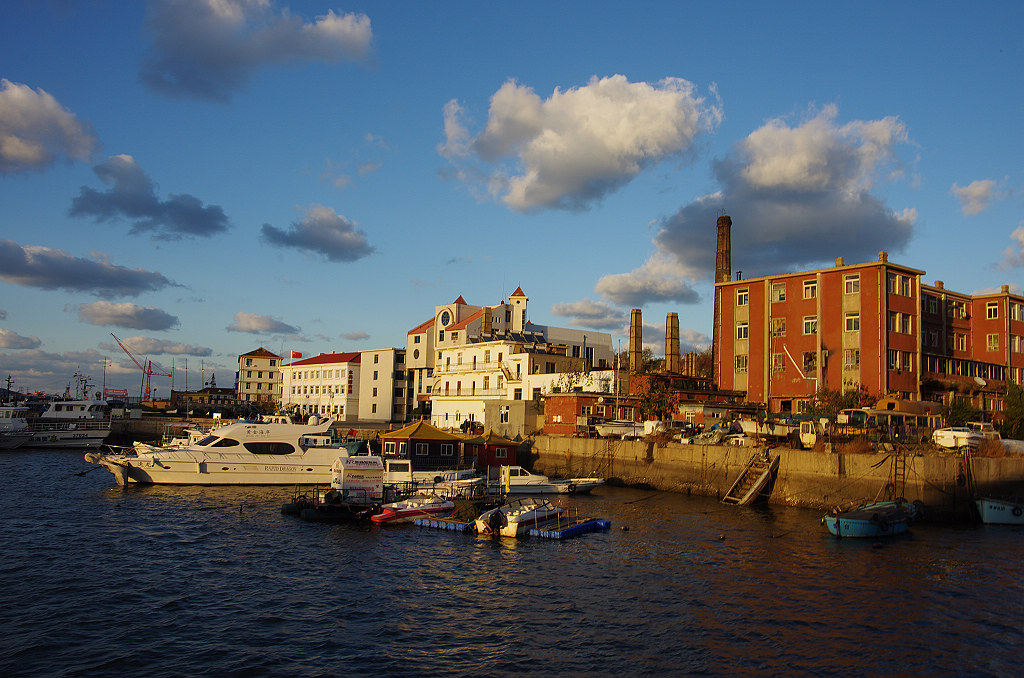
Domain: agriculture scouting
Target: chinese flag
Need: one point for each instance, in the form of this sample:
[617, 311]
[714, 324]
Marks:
[296, 354]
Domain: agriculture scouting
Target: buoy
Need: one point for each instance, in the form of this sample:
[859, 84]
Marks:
[721, 537]
[624, 528]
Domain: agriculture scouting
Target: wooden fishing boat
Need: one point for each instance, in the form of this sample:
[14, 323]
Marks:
[753, 479]
[878, 519]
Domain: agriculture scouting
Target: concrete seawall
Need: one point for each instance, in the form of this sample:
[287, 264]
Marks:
[818, 480]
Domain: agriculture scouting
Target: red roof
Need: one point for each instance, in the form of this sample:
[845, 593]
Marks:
[422, 327]
[352, 357]
[518, 293]
[461, 324]
[460, 300]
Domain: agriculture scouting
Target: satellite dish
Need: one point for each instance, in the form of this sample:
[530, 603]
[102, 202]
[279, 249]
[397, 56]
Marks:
[980, 382]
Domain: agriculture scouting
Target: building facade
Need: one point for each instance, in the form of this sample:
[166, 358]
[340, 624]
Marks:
[873, 326]
[384, 389]
[258, 379]
[325, 384]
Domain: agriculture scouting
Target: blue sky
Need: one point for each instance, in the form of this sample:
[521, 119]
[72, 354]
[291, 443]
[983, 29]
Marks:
[203, 177]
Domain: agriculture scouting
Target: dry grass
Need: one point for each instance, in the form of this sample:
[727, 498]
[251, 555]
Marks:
[991, 448]
[855, 446]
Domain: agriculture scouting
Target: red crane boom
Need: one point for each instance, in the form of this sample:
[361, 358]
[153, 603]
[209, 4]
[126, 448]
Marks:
[147, 370]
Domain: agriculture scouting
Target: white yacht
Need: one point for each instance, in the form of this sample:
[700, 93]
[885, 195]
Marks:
[243, 453]
[517, 480]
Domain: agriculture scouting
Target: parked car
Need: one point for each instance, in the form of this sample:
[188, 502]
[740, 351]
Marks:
[957, 437]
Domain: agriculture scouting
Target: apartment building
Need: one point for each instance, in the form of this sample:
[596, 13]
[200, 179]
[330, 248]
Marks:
[258, 379]
[384, 388]
[872, 325]
[326, 384]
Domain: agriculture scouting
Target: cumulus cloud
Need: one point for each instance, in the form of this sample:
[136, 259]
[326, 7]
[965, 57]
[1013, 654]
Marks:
[52, 269]
[126, 315]
[260, 324]
[798, 196]
[976, 196]
[659, 279]
[1013, 256]
[209, 49]
[35, 129]
[573, 148]
[140, 345]
[355, 336]
[322, 232]
[592, 314]
[133, 196]
[9, 339]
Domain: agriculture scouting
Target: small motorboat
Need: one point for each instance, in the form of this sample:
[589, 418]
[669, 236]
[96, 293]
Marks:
[408, 510]
[517, 480]
[878, 519]
[995, 511]
[515, 517]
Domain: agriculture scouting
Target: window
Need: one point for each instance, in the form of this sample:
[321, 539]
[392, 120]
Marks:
[810, 289]
[501, 453]
[810, 324]
[853, 322]
[1016, 343]
[1016, 311]
[778, 362]
[389, 447]
[778, 327]
[447, 450]
[810, 362]
[960, 341]
[273, 363]
[536, 394]
[778, 292]
[503, 414]
[851, 284]
[851, 358]
[741, 330]
[992, 310]
[742, 296]
[421, 449]
[741, 363]
[517, 394]
[376, 358]
[374, 392]
[992, 342]
[893, 359]
[899, 322]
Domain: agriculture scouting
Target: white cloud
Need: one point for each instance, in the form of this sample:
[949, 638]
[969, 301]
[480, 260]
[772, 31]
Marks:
[140, 345]
[593, 314]
[126, 315]
[210, 48]
[9, 339]
[1013, 256]
[35, 129]
[260, 324]
[661, 278]
[323, 232]
[573, 148]
[798, 196]
[976, 196]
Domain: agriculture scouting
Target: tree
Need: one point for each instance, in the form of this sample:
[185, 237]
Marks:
[656, 400]
[828, 403]
[1013, 412]
[959, 412]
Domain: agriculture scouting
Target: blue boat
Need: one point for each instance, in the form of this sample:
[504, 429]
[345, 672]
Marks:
[878, 519]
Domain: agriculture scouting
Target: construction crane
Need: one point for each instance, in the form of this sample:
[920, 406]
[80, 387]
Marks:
[147, 371]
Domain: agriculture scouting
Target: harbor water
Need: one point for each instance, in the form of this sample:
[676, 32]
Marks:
[100, 580]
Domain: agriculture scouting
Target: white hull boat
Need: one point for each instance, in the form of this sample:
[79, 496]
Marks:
[1000, 511]
[619, 428]
[78, 424]
[516, 517]
[408, 510]
[517, 480]
[244, 453]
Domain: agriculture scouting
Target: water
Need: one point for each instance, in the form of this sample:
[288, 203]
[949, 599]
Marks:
[99, 580]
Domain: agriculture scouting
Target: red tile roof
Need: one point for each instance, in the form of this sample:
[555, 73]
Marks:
[422, 327]
[351, 357]
[462, 323]
[518, 293]
[260, 353]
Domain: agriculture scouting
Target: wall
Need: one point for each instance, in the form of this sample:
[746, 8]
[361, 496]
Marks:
[809, 479]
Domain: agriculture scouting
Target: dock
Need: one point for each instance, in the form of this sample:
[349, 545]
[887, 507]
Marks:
[574, 528]
[452, 524]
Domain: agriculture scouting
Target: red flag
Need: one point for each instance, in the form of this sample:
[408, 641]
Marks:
[296, 354]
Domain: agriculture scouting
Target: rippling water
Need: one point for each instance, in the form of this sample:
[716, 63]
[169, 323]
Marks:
[99, 580]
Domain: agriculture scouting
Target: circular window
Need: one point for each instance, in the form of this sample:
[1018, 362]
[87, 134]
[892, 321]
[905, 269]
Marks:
[445, 319]
[416, 353]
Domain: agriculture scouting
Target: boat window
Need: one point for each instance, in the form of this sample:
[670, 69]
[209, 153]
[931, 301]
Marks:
[225, 442]
[206, 441]
[269, 447]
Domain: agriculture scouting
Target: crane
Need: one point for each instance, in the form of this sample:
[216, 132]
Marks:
[147, 371]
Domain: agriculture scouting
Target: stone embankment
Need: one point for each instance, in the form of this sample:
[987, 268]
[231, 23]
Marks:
[807, 478]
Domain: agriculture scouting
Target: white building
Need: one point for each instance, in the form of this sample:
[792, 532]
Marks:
[491, 365]
[326, 384]
[258, 379]
[384, 393]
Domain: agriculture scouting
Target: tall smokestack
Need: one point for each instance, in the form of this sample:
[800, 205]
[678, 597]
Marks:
[485, 322]
[672, 362]
[723, 272]
[636, 342]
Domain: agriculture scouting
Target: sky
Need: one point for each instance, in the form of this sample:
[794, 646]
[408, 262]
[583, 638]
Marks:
[201, 178]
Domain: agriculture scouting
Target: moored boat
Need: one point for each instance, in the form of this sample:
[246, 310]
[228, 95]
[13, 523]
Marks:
[877, 519]
[244, 453]
[408, 510]
[517, 480]
[515, 517]
[995, 511]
